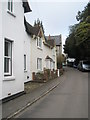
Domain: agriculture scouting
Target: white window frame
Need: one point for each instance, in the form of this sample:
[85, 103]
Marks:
[8, 57]
[10, 6]
[25, 62]
[51, 65]
[39, 64]
[39, 42]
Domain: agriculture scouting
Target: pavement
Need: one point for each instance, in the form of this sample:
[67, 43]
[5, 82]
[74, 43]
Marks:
[13, 107]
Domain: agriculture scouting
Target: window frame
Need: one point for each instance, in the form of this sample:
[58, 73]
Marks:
[8, 57]
[39, 42]
[10, 6]
[25, 62]
[39, 64]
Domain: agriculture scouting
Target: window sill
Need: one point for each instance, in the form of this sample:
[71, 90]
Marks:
[9, 78]
[25, 70]
[11, 13]
[39, 48]
[39, 70]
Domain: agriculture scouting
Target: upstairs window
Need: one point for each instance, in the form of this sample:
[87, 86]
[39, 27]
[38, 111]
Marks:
[8, 58]
[39, 42]
[10, 5]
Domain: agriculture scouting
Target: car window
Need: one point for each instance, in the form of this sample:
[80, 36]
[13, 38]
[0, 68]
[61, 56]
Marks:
[86, 62]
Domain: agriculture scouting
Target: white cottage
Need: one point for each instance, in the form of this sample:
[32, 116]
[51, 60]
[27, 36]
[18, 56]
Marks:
[42, 51]
[12, 47]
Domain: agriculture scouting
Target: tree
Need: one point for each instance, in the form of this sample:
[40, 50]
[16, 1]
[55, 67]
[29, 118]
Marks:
[70, 44]
[81, 16]
[82, 33]
[77, 44]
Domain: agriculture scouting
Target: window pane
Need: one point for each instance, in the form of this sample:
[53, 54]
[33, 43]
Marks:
[24, 62]
[7, 49]
[39, 42]
[8, 4]
[11, 6]
[7, 58]
[6, 65]
[39, 64]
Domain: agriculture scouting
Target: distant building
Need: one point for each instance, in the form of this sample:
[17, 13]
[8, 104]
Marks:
[58, 42]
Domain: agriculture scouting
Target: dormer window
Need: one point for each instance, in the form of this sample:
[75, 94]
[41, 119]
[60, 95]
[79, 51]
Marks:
[10, 5]
[39, 42]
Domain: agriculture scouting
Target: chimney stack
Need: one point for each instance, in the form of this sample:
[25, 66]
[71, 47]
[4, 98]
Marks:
[49, 38]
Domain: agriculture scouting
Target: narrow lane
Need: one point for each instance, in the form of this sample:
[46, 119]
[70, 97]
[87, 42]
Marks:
[68, 100]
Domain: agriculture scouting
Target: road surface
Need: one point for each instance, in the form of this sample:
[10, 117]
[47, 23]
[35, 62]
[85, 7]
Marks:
[68, 100]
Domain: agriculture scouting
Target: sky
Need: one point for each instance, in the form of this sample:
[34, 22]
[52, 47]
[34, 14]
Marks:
[56, 15]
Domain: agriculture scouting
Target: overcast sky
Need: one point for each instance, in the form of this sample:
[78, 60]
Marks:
[56, 15]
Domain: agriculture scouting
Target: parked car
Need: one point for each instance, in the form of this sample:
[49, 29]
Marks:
[84, 65]
[74, 65]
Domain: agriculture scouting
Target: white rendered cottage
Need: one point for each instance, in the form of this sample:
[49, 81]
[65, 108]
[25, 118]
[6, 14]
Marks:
[12, 47]
[42, 51]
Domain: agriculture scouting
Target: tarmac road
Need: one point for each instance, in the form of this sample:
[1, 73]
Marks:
[68, 100]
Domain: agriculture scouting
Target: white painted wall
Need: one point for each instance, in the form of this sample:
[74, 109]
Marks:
[13, 28]
[35, 53]
[48, 51]
[40, 53]
[27, 51]
[1, 59]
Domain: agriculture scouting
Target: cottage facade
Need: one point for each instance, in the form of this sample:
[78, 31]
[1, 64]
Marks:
[42, 52]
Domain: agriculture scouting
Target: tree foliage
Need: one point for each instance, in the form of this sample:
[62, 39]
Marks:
[77, 44]
[81, 16]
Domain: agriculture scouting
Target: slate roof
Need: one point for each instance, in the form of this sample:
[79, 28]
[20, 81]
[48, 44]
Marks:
[30, 29]
[35, 31]
[56, 38]
[50, 42]
[26, 6]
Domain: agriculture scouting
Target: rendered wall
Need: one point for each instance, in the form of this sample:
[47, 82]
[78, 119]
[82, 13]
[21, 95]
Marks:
[27, 52]
[1, 60]
[40, 53]
[13, 30]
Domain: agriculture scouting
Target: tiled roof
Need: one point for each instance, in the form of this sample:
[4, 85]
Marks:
[26, 6]
[57, 39]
